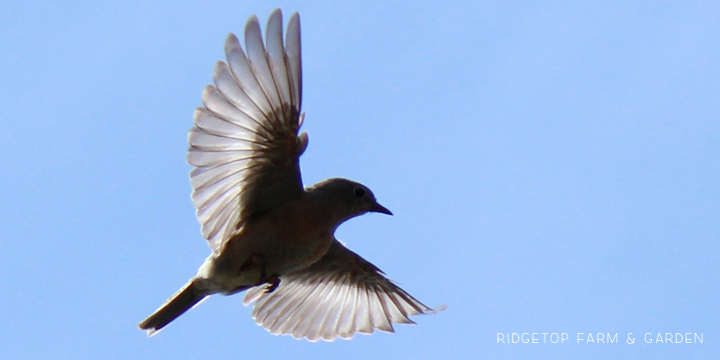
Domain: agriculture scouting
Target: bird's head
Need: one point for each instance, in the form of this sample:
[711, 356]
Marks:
[347, 198]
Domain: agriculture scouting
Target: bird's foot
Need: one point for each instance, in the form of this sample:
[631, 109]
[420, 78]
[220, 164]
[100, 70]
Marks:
[274, 281]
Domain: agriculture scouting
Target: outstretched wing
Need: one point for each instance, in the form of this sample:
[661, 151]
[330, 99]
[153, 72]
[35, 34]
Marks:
[340, 295]
[245, 145]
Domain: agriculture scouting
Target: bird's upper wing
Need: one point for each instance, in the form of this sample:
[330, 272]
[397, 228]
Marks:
[245, 145]
[340, 295]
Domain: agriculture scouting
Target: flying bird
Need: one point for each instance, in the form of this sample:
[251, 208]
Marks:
[270, 236]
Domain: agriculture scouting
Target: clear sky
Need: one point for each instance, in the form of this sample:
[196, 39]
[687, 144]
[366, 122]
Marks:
[553, 167]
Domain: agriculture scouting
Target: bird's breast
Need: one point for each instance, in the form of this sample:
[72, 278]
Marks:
[301, 230]
[291, 237]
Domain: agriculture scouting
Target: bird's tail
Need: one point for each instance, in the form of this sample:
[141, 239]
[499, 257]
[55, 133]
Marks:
[184, 299]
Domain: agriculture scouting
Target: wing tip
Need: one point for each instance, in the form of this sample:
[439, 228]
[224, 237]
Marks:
[275, 15]
[429, 310]
[253, 19]
[232, 43]
[252, 26]
[294, 19]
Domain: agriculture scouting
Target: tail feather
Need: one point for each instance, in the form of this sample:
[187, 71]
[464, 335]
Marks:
[184, 299]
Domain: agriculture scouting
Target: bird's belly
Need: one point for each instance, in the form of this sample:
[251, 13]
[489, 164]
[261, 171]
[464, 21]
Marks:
[287, 239]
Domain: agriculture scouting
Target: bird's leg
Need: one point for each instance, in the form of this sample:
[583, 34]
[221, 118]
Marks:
[255, 261]
[258, 261]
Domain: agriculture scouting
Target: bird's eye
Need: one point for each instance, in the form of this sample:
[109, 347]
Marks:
[359, 192]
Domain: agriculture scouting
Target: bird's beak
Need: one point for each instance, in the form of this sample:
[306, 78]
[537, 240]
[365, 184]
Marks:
[380, 209]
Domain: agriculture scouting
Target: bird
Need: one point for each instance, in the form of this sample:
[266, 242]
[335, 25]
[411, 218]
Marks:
[270, 236]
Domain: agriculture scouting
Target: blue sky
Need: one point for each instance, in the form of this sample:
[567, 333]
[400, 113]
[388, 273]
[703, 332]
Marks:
[552, 166]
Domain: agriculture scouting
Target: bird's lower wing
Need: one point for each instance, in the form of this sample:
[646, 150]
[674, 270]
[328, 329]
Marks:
[340, 295]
